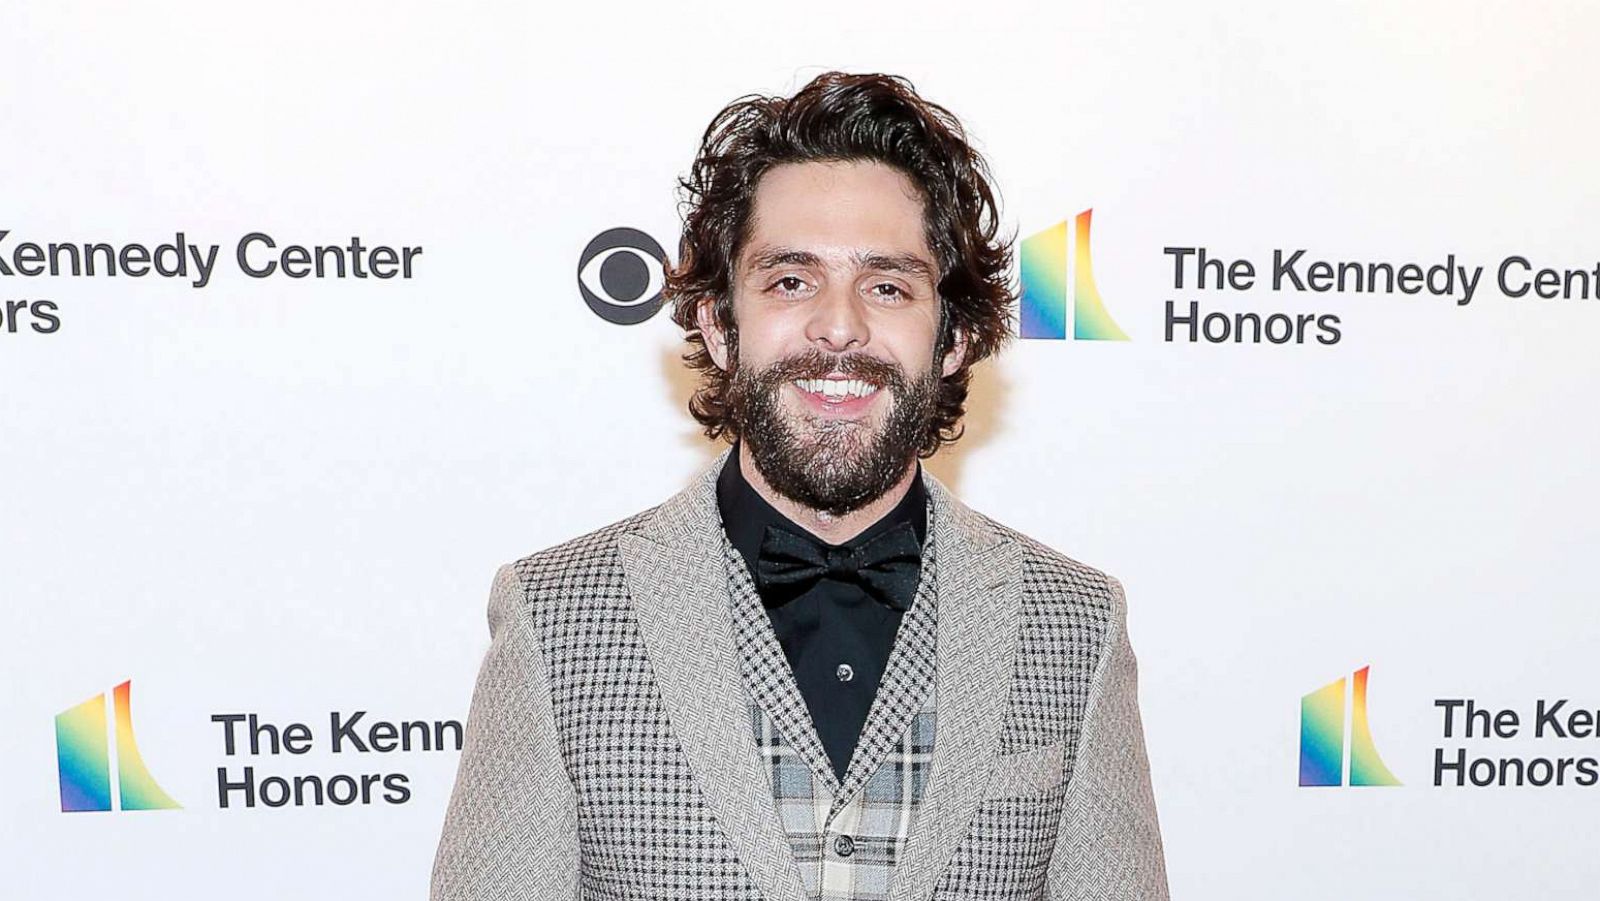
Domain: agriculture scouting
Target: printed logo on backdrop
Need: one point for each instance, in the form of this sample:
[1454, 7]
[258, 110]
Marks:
[256, 255]
[85, 738]
[1055, 279]
[620, 275]
[1061, 301]
[1549, 742]
[1325, 752]
[100, 768]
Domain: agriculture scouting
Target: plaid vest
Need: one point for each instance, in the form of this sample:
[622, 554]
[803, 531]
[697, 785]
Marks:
[845, 835]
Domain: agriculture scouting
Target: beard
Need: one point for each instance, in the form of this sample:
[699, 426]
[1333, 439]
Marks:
[834, 465]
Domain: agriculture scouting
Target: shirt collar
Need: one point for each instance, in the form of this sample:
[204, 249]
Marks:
[746, 514]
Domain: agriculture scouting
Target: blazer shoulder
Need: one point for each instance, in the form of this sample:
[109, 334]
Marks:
[1052, 579]
[577, 563]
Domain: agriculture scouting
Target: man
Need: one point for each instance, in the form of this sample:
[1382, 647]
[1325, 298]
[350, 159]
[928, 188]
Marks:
[814, 673]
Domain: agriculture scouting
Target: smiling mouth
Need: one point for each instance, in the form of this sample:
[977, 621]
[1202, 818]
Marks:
[836, 391]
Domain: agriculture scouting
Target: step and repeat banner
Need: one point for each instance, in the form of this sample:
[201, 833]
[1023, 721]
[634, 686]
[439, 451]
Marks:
[311, 315]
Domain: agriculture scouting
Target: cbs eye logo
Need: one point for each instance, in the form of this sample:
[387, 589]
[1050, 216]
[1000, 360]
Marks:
[621, 273]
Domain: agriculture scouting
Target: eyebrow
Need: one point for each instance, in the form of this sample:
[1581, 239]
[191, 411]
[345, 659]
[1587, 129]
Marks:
[903, 263]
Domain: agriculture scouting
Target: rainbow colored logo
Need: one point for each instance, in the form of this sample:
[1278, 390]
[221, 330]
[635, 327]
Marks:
[83, 759]
[1045, 286]
[1323, 752]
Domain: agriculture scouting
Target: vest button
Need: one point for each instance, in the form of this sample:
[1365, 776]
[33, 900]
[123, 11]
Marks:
[845, 672]
[844, 846]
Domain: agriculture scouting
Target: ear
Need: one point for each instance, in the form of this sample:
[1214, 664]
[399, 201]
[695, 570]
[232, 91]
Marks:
[957, 354]
[716, 339]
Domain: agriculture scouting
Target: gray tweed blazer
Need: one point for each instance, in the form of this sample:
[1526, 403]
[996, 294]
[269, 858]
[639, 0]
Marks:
[609, 751]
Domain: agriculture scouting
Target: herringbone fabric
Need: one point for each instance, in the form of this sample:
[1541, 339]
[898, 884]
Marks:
[612, 747]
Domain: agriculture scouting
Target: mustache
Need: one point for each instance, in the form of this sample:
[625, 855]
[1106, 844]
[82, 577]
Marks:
[816, 364]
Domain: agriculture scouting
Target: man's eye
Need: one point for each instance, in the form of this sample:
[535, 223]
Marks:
[789, 284]
[889, 291]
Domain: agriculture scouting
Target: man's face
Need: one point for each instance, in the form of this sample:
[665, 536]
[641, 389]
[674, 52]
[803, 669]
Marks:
[837, 316]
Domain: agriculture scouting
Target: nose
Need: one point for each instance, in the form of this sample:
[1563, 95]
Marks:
[837, 323]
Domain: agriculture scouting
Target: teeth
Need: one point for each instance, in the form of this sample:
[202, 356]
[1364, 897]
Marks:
[835, 389]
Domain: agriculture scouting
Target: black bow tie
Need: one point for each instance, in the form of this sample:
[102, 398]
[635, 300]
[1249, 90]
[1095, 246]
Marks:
[885, 567]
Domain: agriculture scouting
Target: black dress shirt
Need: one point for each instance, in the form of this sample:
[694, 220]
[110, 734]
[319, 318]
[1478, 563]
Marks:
[837, 638]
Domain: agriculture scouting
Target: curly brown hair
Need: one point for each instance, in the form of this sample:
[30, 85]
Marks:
[842, 117]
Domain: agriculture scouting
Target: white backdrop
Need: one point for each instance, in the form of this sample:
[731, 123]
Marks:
[286, 497]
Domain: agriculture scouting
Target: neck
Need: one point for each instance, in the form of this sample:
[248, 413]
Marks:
[825, 526]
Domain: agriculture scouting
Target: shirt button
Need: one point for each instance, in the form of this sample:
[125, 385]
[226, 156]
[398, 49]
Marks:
[844, 672]
[844, 846]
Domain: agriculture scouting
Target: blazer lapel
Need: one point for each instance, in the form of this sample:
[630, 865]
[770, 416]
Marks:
[767, 672]
[679, 589]
[979, 589]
